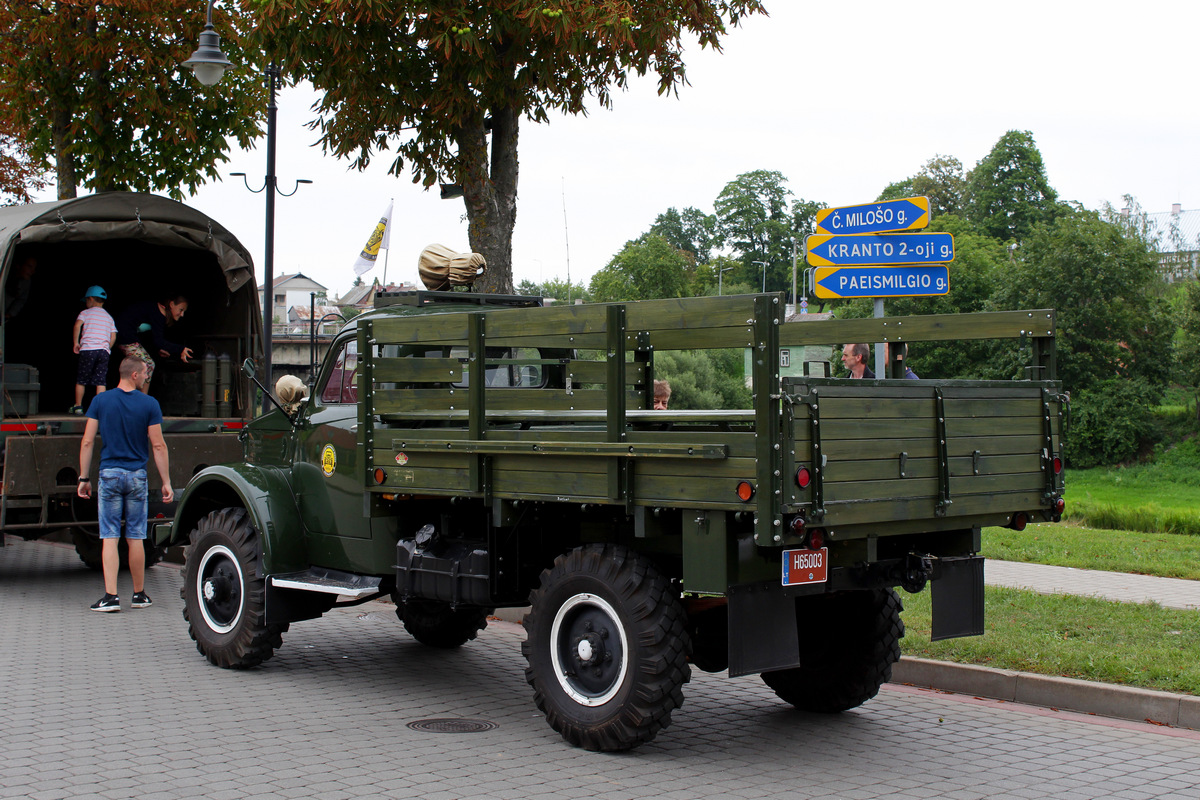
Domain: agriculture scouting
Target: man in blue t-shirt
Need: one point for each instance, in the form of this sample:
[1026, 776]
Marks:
[130, 426]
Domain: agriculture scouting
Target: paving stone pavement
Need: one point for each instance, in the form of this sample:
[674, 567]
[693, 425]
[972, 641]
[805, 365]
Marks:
[121, 705]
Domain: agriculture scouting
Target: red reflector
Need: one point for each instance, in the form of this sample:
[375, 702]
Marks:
[1059, 505]
[797, 525]
[1019, 520]
[803, 477]
[745, 491]
[380, 475]
[816, 539]
[1057, 465]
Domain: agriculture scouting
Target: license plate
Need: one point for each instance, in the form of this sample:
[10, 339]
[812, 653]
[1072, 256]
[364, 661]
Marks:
[805, 566]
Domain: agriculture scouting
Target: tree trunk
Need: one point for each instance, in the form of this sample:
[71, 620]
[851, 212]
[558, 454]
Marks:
[64, 163]
[490, 195]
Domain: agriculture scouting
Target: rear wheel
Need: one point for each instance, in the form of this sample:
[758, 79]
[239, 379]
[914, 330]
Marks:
[849, 642]
[436, 624]
[224, 597]
[607, 648]
[89, 549]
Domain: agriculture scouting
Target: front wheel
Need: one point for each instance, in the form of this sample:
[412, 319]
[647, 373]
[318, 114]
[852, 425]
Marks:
[224, 598]
[848, 643]
[607, 648]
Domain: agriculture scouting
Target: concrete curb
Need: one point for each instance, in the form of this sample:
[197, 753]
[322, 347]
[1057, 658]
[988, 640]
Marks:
[1047, 691]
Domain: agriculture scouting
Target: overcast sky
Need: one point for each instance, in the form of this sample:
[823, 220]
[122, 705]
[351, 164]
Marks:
[842, 98]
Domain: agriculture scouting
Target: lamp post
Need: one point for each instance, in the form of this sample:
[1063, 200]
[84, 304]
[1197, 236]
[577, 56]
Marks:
[764, 266]
[720, 278]
[209, 64]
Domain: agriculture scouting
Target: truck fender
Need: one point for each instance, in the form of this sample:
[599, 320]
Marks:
[267, 497]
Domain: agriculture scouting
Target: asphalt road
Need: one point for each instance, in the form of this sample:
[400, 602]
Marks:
[122, 705]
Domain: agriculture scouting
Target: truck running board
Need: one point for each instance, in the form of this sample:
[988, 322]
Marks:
[328, 581]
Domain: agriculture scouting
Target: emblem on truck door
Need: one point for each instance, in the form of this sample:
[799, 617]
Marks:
[328, 460]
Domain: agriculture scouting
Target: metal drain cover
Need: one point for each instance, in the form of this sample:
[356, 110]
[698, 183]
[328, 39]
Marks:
[452, 725]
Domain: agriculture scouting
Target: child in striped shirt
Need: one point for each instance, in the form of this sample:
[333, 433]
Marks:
[93, 336]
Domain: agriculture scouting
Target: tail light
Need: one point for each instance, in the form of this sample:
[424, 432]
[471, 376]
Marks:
[1059, 505]
[797, 526]
[745, 491]
[803, 477]
[1057, 465]
[816, 538]
[1019, 521]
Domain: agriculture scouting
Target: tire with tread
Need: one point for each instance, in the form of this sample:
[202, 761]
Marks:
[849, 641]
[436, 624]
[224, 597]
[88, 547]
[607, 648]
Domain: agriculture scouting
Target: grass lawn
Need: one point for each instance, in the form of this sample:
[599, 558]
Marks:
[1165, 555]
[1161, 497]
[1133, 644]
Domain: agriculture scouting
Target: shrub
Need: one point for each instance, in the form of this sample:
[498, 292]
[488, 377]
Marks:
[1111, 423]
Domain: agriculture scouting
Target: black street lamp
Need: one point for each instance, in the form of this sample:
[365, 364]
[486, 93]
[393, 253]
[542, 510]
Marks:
[209, 64]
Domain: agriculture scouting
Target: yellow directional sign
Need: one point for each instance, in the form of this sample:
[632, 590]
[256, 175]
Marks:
[907, 214]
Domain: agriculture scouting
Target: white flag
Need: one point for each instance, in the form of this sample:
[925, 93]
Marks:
[380, 237]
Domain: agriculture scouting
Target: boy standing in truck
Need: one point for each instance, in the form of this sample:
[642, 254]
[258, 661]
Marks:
[93, 338]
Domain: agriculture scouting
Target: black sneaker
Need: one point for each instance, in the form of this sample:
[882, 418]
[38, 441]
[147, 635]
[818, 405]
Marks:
[110, 602]
[141, 600]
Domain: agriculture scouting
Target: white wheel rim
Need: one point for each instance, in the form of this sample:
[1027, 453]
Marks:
[569, 609]
[204, 592]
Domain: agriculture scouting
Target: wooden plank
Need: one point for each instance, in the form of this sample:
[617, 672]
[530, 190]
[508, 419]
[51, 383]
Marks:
[417, 370]
[858, 512]
[430, 481]
[597, 372]
[555, 321]
[702, 339]
[929, 328]
[568, 486]
[877, 407]
[667, 490]
[692, 313]
[448, 329]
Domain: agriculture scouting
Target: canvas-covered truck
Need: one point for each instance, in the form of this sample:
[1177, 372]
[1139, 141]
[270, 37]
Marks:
[136, 247]
[465, 452]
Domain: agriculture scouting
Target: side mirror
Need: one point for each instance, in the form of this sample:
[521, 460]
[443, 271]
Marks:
[248, 368]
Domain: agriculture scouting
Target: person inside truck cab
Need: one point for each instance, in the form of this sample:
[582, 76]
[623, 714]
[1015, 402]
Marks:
[142, 330]
[854, 357]
[16, 293]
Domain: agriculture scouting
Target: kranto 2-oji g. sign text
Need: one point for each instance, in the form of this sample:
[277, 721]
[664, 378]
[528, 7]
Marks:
[865, 250]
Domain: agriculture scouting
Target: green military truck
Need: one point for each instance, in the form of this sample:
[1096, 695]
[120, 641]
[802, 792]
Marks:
[465, 452]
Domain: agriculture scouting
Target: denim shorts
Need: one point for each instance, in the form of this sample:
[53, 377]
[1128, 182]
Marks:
[123, 493]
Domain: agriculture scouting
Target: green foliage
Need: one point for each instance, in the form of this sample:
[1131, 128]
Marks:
[713, 278]
[703, 378]
[1109, 423]
[97, 90]
[941, 180]
[1007, 193]
[691, 231]
[556, 288]
[647, 268]
[1104, 285]
[755, 222]
[1187, 338]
